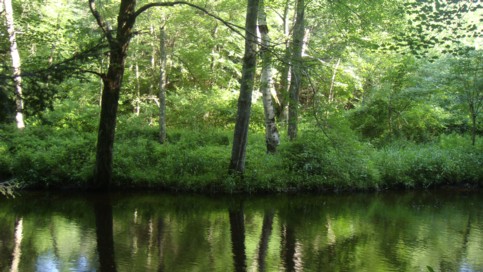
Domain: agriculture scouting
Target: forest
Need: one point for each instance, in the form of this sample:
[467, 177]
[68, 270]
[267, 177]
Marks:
[241, 96]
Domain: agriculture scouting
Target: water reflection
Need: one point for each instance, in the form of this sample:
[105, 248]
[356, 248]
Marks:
[104, 232]
[154, 232]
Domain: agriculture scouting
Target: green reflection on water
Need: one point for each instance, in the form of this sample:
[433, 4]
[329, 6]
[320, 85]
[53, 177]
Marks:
[158, 232]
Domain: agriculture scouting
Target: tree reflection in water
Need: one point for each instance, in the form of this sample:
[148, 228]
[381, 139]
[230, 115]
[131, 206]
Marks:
[264, 238]
[237, 230]
[104, 232]
[53, 232]
[18, 241]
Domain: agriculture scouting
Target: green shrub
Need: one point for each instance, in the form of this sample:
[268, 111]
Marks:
[452, 160]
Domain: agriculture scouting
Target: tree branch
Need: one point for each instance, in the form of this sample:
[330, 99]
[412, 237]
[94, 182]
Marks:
[231, 26]
[100, 21]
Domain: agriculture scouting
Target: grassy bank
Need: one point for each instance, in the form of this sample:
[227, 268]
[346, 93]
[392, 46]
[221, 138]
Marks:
[197, 161]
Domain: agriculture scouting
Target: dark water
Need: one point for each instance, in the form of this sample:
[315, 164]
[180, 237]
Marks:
[158, 232]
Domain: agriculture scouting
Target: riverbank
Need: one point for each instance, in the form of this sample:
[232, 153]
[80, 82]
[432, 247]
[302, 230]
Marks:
[197, 161]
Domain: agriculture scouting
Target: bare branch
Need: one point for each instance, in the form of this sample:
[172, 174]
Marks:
[100, 21]
[231, 26]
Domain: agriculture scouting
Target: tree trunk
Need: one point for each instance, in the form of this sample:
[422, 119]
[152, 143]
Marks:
[332, 82]
[110, 94]
[15, 63]
[272, 137]
[473, 128]
[296, 78]
[138, 89]
[162, 86]
[238, 155]
[282, 93]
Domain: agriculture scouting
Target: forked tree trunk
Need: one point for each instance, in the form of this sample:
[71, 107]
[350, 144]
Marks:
[15, 63]
[238, 154]
[272, 137]
[162, 86]
[296, 78]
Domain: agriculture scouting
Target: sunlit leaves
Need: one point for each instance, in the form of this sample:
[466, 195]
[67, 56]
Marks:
[436, 28]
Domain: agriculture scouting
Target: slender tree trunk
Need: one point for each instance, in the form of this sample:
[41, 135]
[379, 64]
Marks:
[296, 78]
[272, 137]
[473, 127]
[282, 93]
[238, 155]
[110, 93]
[162, 86]
[138, 89]
[15, 63]
[332, 81]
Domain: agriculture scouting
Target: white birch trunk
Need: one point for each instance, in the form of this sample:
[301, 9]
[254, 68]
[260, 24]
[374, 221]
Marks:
[272, 137]
[15, 63]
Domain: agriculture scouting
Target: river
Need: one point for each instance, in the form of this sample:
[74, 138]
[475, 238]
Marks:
[388, 231]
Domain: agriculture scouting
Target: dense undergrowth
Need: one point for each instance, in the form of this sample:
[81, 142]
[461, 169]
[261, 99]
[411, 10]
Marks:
[196, 160]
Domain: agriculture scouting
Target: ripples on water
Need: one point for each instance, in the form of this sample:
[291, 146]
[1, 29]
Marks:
[158, 232]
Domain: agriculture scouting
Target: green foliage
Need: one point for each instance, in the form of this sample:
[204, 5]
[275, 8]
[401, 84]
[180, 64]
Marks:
[332, 158]
[45, 157]
[451, 160]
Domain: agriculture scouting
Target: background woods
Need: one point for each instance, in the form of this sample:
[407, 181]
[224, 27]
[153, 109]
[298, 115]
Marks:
[343, 94]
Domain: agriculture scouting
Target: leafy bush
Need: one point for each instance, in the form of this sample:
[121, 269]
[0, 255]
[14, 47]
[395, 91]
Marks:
[451, 160]
[64, 158]
[331, 159]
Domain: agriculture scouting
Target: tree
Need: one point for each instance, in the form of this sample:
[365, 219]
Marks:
[16, 66]
[118, 41]
[282, 90]
[272, 137]
[162, 85]
[238, 154]
[112, 82]
[465, 76]
[296, 77]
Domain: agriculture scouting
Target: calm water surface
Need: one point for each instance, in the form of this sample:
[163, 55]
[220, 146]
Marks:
[159, 232]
